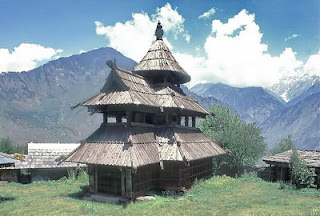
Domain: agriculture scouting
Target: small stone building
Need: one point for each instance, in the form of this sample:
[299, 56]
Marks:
[148, 139]
[279, 164]
[41, 163]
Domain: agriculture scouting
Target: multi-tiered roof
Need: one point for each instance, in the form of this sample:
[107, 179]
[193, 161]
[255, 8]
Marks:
[153, 89]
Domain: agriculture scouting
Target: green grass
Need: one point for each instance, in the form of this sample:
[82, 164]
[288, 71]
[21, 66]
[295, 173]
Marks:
[219, 195]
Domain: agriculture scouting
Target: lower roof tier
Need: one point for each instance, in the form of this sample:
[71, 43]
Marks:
[138, 146]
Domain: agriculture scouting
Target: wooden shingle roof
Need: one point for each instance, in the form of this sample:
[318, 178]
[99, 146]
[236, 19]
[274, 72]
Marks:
[310, 157]
[125, 87]
[159, 61]
[134, 146]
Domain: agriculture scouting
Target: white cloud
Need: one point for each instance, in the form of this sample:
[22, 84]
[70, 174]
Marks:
[25, 57]
[134, 37]
[291, 37]
[235, 55]
[187, 37]
[207, 14]
[82, 51]
[312, 66]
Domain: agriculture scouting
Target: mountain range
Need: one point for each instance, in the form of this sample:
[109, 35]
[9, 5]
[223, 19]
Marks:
[35, 105]
[299, 117]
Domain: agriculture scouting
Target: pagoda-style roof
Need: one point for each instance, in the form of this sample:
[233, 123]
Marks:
[127, 88]
[136, 146]
[159, 63]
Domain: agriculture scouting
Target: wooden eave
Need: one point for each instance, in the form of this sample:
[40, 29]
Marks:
[126, 88]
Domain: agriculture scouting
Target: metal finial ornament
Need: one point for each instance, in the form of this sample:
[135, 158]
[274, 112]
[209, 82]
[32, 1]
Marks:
[159, 31]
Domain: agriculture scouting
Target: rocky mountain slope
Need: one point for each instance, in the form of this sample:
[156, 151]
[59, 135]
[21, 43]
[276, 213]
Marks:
[35, 105]
[315, 88]
[254, 104]
[301, 121]
[292, 86]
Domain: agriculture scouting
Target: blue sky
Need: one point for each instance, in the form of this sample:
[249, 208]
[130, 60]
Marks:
[61, 28]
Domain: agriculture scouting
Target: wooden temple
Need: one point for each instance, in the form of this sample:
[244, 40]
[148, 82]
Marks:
[148, 139]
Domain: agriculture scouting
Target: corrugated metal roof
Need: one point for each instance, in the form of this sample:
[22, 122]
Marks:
[6, 159]
[311, 158]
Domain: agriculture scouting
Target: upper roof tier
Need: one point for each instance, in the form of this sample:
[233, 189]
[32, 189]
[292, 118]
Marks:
[159, 64]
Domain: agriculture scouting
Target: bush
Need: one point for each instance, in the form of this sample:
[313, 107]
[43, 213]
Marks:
[301, 176]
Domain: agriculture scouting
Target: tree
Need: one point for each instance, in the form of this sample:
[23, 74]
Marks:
[284, 145]
[8, 147]
[301, 176]
[244, 140]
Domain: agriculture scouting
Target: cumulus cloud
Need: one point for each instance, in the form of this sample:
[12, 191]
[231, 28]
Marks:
[235, 55]
[133, 38]
[82, 51]
[25, 57]
[312, 66]
[291, 37]
[207, 14]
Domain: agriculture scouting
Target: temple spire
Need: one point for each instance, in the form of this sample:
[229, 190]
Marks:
[159, 31]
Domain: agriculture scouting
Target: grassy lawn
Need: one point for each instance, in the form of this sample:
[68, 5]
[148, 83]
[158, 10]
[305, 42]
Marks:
[222, 195]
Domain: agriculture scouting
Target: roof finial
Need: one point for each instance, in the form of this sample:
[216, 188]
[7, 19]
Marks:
[159, 31]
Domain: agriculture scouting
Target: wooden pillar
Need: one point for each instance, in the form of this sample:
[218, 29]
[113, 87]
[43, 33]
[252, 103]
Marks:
[193, 121]
[269, 173]
[95, 178]
[178, 120]
[118, 117]
[129, 117]
[144, 118]
[128, 183]
[123, 187]
[186, 120]
[167, 118]
[318, 177]
[105, 117]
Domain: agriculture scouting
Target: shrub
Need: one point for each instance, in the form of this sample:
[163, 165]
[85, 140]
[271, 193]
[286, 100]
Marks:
[301, 176]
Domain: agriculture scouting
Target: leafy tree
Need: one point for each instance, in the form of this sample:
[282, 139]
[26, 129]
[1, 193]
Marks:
[244, 140]
[301, 176]
[284, 145]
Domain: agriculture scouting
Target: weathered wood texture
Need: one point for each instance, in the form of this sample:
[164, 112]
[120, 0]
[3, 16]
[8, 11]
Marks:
[9, 175]
[125, 87]
[159, 58]
[310, 157]
[139, 146]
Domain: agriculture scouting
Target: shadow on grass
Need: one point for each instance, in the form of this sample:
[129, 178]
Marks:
[4, 199]
[81, 195]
